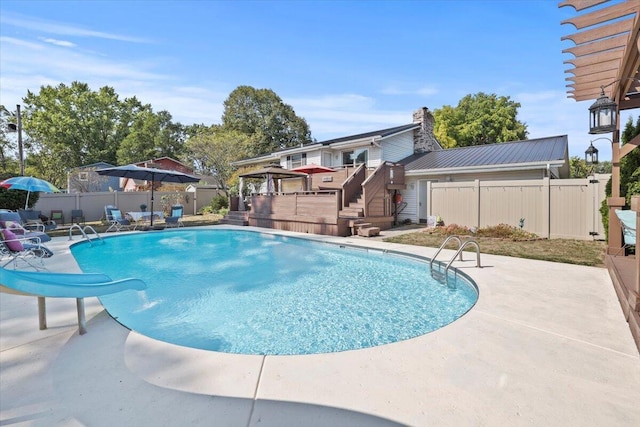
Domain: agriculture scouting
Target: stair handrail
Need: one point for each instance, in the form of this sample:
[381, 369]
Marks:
[457, 238]
[459, 251]
[83, 231]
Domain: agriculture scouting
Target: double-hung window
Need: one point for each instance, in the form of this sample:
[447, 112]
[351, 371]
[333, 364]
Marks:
[295, 160]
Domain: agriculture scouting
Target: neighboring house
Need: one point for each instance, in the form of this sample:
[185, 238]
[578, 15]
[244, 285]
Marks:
[375, 170]
[167, 163]
[84, 179]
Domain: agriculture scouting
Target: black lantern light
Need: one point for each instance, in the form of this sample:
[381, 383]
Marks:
[591, 155]
[602, 115]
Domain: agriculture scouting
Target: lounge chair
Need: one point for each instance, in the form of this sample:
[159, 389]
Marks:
[628, 222]
[175, 220]
[116, 220]
[14, 248]
[63, 285]
[12, 221]
[31, 220]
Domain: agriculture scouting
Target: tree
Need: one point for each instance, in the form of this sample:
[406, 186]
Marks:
[71, 126]
[152, 135]
[212, 151]
[261, 114]
[479, 119]
[8, 162]
[578, 168]
[629, 172]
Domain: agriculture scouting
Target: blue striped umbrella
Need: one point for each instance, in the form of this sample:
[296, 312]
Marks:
[28, 184]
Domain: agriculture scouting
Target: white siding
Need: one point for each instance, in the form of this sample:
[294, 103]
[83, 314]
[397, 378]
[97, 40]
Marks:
[397, 147]
[410, 196]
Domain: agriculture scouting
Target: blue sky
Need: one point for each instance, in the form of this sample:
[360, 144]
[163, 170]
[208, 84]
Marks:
[346, 67]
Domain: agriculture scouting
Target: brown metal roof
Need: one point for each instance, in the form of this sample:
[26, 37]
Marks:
[606, 51]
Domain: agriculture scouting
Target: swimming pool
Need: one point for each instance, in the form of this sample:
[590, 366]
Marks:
[247, 292]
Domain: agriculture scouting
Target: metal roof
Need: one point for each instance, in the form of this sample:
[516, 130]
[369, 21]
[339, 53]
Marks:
[506, 153]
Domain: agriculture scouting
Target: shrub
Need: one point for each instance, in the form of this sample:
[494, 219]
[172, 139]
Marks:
[219, 202]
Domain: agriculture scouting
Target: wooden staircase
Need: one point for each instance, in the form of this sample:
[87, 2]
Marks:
[355, 208]
[236, 218]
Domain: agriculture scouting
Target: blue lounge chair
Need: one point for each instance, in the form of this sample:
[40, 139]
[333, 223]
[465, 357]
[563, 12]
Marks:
[628, 222]
[175, 220]
[63, 285]
[116, 221]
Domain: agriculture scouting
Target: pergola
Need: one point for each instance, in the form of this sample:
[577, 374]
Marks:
[607, 61]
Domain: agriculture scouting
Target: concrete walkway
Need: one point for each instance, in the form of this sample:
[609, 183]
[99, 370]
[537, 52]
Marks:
[546, 344]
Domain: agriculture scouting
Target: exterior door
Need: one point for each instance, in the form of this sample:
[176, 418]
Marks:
[421, 201]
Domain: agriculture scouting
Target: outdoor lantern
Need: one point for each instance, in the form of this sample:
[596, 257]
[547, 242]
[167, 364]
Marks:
[602, 115]
[591, 155]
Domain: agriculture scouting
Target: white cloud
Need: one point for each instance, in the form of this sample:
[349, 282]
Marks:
[61, 43]
[405, 90]
[48, 27]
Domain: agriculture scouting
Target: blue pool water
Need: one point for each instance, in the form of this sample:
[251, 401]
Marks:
[253, 293]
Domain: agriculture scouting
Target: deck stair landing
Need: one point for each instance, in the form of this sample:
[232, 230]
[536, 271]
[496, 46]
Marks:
[361, 228]
[236, 218]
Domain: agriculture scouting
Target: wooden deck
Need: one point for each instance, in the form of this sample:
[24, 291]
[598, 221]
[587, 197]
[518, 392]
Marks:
[624, 274]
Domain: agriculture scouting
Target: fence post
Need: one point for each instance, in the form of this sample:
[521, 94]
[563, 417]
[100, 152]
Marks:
[546, 206]
[477, 187]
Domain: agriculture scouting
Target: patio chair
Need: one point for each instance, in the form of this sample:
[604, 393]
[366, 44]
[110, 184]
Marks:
[12, 221]
[628, 222]
[175, 220]
[31, 220]
[57, 216]
[28, 250]
[77, 216]
[116, 220]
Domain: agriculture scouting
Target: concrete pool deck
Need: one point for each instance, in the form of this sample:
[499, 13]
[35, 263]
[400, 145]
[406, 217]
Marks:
[546, 344]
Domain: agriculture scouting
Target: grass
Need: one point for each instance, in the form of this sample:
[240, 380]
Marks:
[518, 244]
[499, 240]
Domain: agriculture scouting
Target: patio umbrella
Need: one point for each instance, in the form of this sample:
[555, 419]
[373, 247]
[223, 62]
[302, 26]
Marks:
[148, 174]
[28, 184]
[312, 168]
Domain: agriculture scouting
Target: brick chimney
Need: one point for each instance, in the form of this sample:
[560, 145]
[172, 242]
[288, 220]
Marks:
[423, 138]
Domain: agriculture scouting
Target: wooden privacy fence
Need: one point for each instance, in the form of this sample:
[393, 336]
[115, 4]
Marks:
[563, 208]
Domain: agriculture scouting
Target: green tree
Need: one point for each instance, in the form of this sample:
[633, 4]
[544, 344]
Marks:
[71, 126]
[479, 119]
[629, 172]
[8, 144]
[261, 114]
[212, 151]
[578, 168]
[152, 135]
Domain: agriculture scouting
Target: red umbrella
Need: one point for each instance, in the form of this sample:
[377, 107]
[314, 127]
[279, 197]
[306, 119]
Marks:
[312, 168]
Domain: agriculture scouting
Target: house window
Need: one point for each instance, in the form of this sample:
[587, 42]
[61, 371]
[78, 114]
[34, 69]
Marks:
[83, 176]
[295, 160]
[355, 157]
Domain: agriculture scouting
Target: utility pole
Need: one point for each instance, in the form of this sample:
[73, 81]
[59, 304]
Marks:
[20, 153]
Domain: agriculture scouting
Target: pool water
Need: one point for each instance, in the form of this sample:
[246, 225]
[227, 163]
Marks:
[255, 293]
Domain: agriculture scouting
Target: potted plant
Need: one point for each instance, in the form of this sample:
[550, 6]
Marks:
[143, 208]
